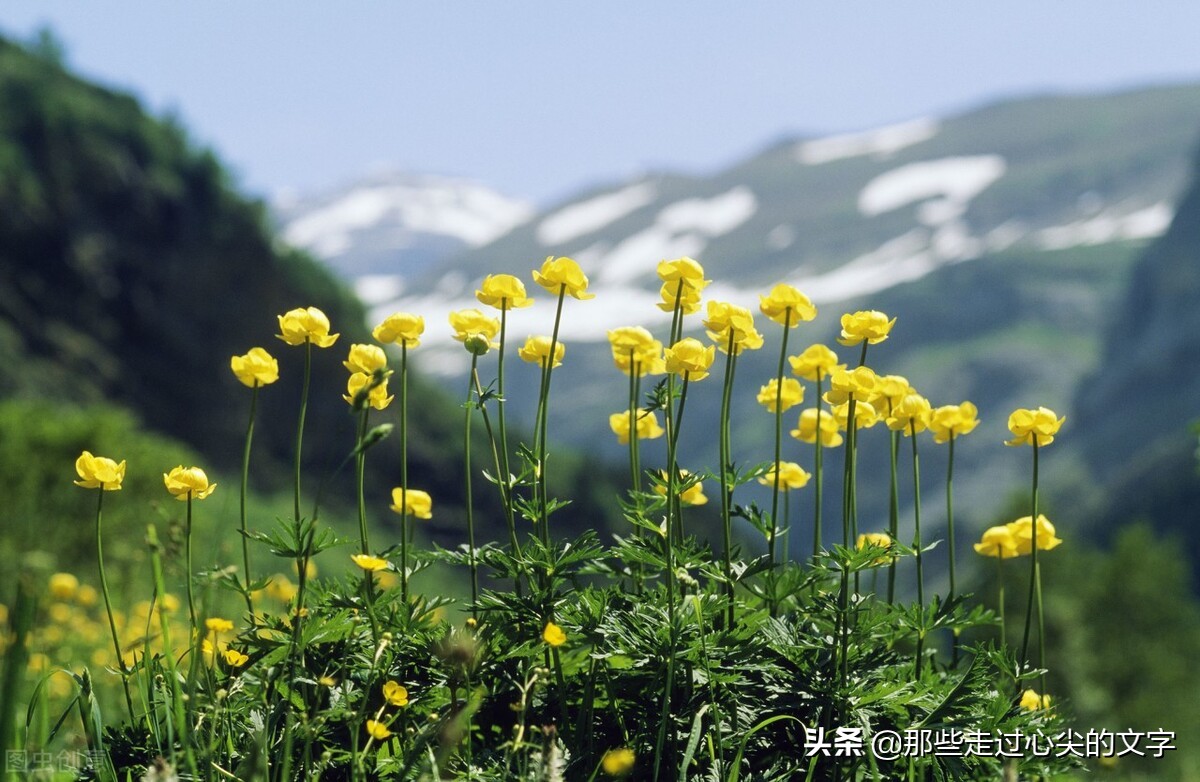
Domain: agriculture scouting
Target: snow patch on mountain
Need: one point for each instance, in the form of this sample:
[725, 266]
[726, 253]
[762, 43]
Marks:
[957, 180]
[879, 142]
[464, 210]
[586, 217]
[682, 228]
[1108, 226]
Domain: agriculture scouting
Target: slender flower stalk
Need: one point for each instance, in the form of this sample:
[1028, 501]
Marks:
[917, 543]
[255, 369]
[244, 490]
[543, 417]
[787, 323]
[893, 509]
[469, 499]
[818, 475]
[726, 467]
[948, 423]
[502, 467]
[1035, 583]
[300, 426]
[112, 625]
[504, 292]
[404, 531]
[1036, 428]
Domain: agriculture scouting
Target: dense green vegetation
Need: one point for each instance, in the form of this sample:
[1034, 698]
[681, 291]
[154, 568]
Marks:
[130, 266]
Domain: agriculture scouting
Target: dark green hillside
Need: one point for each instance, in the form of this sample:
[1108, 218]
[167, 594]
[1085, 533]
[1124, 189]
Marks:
[131, 270]
[1135, 416]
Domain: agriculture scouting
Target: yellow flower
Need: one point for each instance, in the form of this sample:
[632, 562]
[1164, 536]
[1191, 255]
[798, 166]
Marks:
[617, 762]
[1022, 532]
[634, 349]
[537, 349]
[791, 476]
[1033, 427]
[365, 359]
[191, 482]
[997, 542]
[63, 586]
[647, 425]
[395, 693]
[889, 391]
[870, 325]
[950, 421]
[692, 495]
[256, 368]
[881, 539]
[368, 562]
[554, 635]
[503, 291]
[400, 328]
[787, 306]
[865, 415]
[1031, 701]
[563, 275]
[281, 588]
[806, 429]
[791, 395]
[475, 330]
[218, 625]
[687, 299]
[816, 362]
[377, 397]
[684, 270]
[689, 359]
[234, 658]
[99, 472]
[910, 415]
[416, 503]
[305, 325]
[377, 730]
[858, 383]
[728, 322]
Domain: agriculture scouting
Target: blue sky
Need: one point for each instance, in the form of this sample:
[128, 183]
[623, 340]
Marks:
[541, 99]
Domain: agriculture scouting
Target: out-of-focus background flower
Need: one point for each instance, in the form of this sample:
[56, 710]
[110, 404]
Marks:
[1016, 184]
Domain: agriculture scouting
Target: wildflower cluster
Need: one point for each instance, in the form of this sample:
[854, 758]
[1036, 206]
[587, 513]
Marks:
[660, 655]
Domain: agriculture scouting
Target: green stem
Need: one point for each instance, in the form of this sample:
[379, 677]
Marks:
[917, 542]
[242, 503]
[300, 424]
[818, 476]
[787, 324]
[177, 702]
[893, 510]
[403, 473]
[112, 625]
[543, 413]
[1033, 551]
[725, 467]
[1000, 589]
[360, 464]
[469, 406]
[502, 463]
[673, 515]
[187, 573]
[950, 513]
[635, 469]
[950, 542]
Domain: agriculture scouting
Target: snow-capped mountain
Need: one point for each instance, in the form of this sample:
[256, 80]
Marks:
[1000, 237]
[841, 217]
[388, 227]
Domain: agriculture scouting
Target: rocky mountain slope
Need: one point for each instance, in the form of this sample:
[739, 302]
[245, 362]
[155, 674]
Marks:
[1002, 238]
